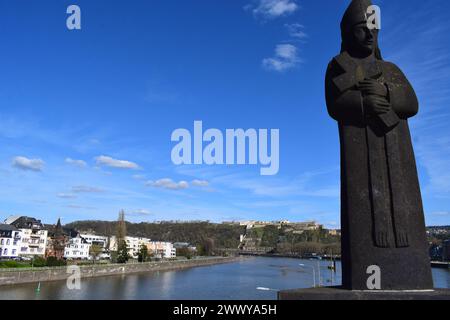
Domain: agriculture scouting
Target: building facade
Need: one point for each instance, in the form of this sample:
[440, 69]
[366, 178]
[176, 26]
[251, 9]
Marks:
[56, 241]
[33, 240]
[100, 241]
[9, 241]
[159, 249]
[134, 244]
[77, 249]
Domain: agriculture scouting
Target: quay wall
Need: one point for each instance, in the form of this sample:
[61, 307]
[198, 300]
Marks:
[30, 275]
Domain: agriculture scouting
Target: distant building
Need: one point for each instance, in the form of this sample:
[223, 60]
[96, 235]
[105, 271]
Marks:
[181, 245]
[134, 244]
[100, 241]
[9, 241]
[306, 226]
[33, 236]
[161, 249]
[446, 250]
[334, 232]
[77, 249]
[282, 222]
[57, 239]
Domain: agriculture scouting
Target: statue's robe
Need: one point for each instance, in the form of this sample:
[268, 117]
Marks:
[382, 216]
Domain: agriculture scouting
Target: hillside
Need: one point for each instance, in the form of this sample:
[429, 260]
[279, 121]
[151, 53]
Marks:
[224, 236]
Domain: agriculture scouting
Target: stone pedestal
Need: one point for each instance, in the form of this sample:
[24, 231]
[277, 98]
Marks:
[337, 293]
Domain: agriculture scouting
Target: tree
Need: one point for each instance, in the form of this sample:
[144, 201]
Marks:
[206, 248]
[122, 252]
[184, 252]
[270, 236]
[54, 262]
[121, 228]
[39, 262]
[95, 251]
[143, 253]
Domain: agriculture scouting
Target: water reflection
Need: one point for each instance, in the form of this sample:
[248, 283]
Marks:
[237, 281]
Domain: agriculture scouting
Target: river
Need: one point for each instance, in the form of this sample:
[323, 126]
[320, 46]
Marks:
[233, 281]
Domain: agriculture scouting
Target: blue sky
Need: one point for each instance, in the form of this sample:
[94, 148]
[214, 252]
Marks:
[74, 103]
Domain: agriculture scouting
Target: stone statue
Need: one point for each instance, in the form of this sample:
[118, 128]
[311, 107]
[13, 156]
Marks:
[382, 216]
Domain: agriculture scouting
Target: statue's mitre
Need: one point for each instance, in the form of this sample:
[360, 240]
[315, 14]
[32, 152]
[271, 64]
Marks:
[355, 13]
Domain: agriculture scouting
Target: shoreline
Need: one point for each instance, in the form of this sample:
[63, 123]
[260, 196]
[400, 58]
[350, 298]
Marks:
[434, 264]
[48, 274]
[291, 256]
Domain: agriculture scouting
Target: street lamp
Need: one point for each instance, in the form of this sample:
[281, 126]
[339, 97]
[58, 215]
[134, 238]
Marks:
[314, 272]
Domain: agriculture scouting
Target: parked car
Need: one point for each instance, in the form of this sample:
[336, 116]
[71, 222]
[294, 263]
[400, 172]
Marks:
[24, 259]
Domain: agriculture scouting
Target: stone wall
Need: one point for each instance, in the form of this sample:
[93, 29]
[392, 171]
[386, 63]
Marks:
[15, 276]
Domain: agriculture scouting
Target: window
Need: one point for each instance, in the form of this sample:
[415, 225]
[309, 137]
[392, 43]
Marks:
[5, 252]
[8, 242]
[3, 241]
[14, 252]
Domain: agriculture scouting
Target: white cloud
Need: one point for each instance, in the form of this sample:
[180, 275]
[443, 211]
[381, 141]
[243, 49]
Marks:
[76, 206]
[86, 189]
[200, 183]
[286, 57]
[441, 213]
[76, 163]
[296, 30]
[114, 163]
[66, 195]
[307, 185]
[140, 212]
[270, 9]
[169, 184]
[24, 163]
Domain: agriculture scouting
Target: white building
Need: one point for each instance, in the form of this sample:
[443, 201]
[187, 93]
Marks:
[77, 249]
[134, 244]
[96, 240]
[101, 241]
[161, 249]
[9, 241]
[33, 240]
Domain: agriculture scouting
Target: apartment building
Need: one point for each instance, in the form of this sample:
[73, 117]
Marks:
[100, 241]
[77, 249]
[134, 244]
[9, 241]
[33, 240]
[161, 249]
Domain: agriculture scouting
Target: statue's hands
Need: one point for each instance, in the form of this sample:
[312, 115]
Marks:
[374, 105]
[372, 87]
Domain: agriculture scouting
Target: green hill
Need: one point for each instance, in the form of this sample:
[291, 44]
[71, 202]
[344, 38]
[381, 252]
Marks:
[223, 235]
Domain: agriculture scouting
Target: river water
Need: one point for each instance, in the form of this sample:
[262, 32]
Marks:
[233, 281]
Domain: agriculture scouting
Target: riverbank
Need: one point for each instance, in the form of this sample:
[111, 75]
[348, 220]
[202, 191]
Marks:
[287, 255]
[31, 275]
[434, 264]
